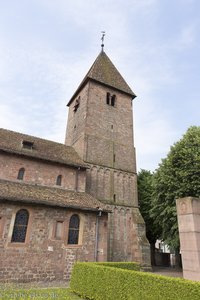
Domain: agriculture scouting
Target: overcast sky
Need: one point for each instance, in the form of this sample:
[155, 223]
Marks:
[47, 47]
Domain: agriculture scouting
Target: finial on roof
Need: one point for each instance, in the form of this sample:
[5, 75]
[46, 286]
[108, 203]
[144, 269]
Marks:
[102, 38]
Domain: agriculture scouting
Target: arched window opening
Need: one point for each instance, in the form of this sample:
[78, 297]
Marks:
[114, 197]
[59, 180]
[77, 103]
[20, 175]
[108, 98]
[20, 226]
[113, 98]
[74, 224]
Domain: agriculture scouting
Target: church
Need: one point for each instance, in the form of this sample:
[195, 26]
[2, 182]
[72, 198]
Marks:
[77, 201]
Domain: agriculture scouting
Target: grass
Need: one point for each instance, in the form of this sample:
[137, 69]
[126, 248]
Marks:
[35, 293]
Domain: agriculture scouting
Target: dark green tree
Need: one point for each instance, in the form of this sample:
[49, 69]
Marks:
[145, 190]
[178, 176]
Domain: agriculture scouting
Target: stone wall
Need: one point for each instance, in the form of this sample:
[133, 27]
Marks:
[102, 134]
[188, 211]
[43, 256]
[127, 235]
[98, 131]
[41, 172]
[112, 186]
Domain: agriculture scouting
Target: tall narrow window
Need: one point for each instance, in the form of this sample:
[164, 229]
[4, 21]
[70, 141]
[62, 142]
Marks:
[108, 98]
[58, 230]
[113, 98]
[20, 226]
[114, 197]
[20, 175]
[59, 180]
[77, 103]
[73, 229]
[1, 225]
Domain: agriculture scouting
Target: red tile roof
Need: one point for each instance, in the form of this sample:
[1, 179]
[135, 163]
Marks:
[104, 71]
[50, 196]
[12, 142]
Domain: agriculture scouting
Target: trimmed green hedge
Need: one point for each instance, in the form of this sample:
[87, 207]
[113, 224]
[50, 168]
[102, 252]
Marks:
[100, 282]
[122, 265]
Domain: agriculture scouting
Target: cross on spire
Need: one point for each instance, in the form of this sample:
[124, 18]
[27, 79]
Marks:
[102, 39]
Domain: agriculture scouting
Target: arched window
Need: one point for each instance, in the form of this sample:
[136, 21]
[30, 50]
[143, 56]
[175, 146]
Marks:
[20, 226]
[20, 175]
[113, 98]
[59, 180]
[73, 229]
[77, 103]
[108, 98]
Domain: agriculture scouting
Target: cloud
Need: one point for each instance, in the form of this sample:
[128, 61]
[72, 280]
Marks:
[48, 46]
[188, 35]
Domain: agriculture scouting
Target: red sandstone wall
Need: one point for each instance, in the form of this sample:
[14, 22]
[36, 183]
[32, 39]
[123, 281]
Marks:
[39, 172]
[97, 131]
[42, 257]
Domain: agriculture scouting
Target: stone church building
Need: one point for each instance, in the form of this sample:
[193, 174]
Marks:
[60, 203]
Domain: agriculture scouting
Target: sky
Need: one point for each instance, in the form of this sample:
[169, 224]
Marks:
[47, 47]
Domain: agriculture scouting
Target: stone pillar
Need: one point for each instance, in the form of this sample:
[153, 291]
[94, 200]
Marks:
[188, 212]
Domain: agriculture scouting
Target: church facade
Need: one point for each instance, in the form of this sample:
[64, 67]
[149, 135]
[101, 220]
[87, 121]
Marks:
[60, 203]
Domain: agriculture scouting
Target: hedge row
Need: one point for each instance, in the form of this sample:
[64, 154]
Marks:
[101, 282]
[122, 265]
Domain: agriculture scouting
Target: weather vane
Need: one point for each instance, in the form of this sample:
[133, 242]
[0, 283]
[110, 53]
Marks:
[102, 38]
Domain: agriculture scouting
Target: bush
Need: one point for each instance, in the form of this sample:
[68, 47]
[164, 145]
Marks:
[122, 265]
[102, 282]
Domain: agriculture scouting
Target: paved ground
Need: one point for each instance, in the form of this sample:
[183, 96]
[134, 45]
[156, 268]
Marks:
[168, 271]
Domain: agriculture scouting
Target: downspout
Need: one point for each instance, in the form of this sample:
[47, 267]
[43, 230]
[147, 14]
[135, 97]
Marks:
[97, 234]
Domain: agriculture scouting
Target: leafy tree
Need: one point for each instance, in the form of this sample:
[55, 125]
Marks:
[145, 190]
[178, 176]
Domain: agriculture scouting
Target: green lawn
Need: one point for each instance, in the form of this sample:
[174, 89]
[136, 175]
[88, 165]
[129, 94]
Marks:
[34, 293]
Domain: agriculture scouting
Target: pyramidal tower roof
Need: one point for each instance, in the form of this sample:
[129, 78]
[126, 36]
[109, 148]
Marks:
[104, 72]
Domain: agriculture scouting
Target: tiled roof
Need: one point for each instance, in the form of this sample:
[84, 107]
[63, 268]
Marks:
[106, 73]
[11, 141]
[50, 196]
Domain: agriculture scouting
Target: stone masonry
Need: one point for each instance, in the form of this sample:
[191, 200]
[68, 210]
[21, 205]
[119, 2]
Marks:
[40, 172]
[188, 211]
[43, 257]
[96, 168]
[102, 135]
[46, 254]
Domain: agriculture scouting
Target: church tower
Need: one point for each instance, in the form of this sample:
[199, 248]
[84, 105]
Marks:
[100, 128]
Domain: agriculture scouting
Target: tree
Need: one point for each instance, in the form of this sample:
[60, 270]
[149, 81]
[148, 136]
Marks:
[178, 176]
[145, 190]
